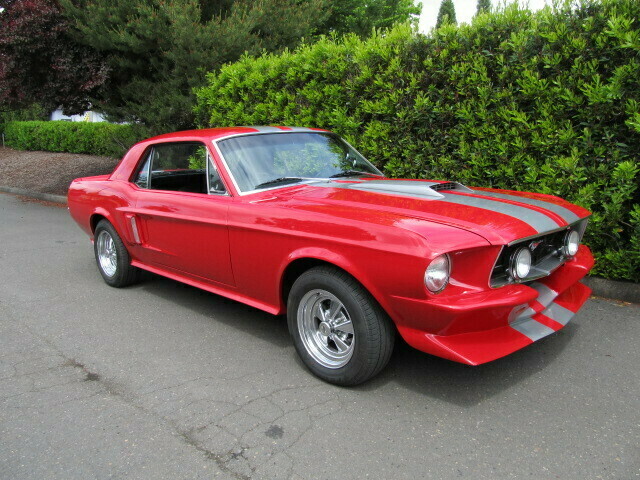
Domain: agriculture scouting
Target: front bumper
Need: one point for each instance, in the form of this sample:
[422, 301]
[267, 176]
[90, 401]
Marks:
[476, 328]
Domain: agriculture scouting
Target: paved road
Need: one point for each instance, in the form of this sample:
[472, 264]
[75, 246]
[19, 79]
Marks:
[165, 381]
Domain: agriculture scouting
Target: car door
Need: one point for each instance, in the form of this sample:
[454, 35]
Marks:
[181, 212]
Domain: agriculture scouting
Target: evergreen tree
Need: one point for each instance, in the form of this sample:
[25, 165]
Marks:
[483, 6]
[158, 51]
[446, 14]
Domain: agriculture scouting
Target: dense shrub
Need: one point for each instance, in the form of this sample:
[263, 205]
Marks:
[34, 111]
[546, 102]
[73, 137]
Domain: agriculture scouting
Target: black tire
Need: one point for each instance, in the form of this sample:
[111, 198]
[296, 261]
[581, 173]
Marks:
[373, 334]
[120, 273]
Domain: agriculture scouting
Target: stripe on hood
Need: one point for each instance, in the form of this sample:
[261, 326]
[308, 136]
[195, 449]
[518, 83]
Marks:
[540, 222]
[494, 202]
[567, 215]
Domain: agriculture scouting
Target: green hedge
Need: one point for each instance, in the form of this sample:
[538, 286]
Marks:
[546, 102]
[74, 137]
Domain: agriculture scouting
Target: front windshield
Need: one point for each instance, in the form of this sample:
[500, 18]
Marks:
[272, 159]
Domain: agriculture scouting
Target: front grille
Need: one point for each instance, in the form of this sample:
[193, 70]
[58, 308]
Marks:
[546, 255]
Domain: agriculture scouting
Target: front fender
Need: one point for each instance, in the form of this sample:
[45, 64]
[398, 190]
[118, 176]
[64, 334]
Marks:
[339, 260]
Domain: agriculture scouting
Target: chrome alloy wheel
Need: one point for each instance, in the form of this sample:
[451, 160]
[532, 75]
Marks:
[325, 328]
[107, 255]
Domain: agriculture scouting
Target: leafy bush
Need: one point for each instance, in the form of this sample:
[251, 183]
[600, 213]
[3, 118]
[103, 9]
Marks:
[73, 137]
[546, 102]
[34, 111]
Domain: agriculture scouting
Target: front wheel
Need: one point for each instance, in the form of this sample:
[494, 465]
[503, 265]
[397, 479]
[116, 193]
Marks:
[341, 333]
[112, 257]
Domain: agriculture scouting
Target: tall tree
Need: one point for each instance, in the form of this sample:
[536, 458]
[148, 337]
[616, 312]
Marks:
[447, 13]
[40, 62]
[361, 17]
[483, 6]
[159, 50]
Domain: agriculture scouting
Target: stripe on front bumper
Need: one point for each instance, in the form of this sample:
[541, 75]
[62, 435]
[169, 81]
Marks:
[532, 329]
[531, 321]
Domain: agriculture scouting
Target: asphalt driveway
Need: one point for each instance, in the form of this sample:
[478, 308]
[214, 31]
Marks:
[162, 381]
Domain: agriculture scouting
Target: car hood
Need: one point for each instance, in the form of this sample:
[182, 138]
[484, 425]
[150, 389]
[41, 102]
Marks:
[500, 216]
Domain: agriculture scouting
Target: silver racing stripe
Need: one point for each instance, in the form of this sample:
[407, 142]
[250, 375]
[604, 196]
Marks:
[532, 329]
[268, 129]
[538, 221]
[558, 313]
[545, 294]
[526, 324]
[564, 213]
[264, 129]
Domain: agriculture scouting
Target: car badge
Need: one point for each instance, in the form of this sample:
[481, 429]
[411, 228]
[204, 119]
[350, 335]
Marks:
[534, 245]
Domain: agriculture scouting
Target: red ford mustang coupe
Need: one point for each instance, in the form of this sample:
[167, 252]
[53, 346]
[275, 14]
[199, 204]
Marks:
[295, 220]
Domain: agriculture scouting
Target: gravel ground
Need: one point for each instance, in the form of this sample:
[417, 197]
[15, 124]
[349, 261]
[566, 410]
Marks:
[49, 172]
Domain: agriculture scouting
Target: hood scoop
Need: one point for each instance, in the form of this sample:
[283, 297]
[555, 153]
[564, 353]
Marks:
[410, 188]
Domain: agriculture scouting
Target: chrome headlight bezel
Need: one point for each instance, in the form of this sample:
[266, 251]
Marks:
[571, 243]
[520, 264]
[438, 273]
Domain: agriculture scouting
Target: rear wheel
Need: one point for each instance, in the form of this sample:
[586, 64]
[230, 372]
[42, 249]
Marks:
[338, 329]
[112, 257]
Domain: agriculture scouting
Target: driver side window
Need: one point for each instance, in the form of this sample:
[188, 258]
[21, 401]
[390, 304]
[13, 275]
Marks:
[184, 167]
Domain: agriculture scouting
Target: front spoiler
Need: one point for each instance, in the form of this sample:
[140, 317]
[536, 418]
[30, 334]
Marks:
[550, 303]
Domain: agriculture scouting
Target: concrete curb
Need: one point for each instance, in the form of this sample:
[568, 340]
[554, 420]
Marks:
[40, 196]
[601, 287]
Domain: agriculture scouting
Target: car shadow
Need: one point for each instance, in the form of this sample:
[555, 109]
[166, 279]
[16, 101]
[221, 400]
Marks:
[466, 385]
[425, 374]
[252, 321]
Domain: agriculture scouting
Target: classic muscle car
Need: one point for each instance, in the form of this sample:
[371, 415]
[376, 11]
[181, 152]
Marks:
[294, 220]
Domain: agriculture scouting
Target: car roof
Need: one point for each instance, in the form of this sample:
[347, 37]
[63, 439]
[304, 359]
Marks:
[222, 132]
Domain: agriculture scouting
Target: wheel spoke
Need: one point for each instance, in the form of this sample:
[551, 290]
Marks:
[335, 308]
[342, 347]
[344, 325]
[317, 313]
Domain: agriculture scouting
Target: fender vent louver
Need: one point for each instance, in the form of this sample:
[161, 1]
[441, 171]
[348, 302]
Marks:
[449, 186]
[444, 186]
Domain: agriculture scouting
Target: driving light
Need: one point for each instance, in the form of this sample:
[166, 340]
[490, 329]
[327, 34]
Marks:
[571, 243]
[521, 263]
[437, 275]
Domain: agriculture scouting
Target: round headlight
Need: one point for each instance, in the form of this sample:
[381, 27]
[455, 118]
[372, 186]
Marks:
[521, 263]
[437, 275]
[571, 243]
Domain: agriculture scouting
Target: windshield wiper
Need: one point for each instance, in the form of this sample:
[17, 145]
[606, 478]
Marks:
[351, 173]
[278, 181]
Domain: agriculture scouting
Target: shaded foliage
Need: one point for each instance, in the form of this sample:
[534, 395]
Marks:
[361, 17]
[73, 137]
[32, 112]
[40, 62]
[483, 6]
[546, 102]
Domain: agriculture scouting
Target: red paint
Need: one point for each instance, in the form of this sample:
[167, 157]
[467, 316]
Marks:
[240, 247]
